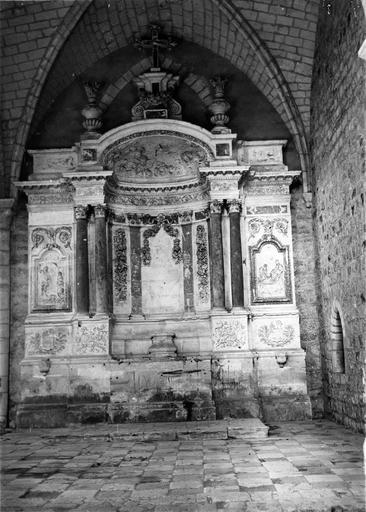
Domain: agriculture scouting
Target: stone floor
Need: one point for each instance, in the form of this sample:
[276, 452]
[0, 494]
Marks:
[301, 466]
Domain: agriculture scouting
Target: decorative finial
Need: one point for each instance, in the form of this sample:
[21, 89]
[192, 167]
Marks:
[91, 112]
[219, 106]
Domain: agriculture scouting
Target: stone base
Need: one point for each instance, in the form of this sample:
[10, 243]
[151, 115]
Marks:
[146, 412]
[286, 408]
[245, 407]
[52, 415]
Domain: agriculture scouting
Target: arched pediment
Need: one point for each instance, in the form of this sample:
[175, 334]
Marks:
[155, 151]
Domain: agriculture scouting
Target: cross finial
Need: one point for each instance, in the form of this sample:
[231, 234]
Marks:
[155, 43]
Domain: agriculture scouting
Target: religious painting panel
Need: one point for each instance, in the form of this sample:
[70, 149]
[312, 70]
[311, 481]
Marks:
[270, 273]
[50, 268]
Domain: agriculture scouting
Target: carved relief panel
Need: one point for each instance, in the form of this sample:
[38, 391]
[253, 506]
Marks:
[50, 268]
[270, 272]
[202, 269]
[121, 269]
[269, 240]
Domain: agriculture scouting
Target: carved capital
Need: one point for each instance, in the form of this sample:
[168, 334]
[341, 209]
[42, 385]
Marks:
[234, 206]
[215, 206]
[80, 212]
[186, 217]
[99, 211]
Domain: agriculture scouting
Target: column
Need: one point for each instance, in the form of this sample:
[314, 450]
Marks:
[216, 256]
[236, 254]
[136, 297]
[227, 259]
[187, 268]
[5, 221]
[101, 297]
[81, 256]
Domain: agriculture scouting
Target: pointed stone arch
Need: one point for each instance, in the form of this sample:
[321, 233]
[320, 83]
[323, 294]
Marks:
[251, 56]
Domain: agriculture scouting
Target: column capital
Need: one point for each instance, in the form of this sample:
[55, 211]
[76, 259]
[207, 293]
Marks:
[100, 210]
[215, 206]
[80, 212]
[6, 212]
[234, 206]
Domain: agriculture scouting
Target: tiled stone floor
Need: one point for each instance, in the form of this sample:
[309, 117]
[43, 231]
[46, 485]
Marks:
[301, 466]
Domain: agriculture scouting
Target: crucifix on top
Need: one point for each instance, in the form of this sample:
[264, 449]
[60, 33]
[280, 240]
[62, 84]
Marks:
[155, 43]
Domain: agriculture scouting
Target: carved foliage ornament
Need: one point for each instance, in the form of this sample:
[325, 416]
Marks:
[51, 237]
[120, 265]
[50, 341]
[229, 335]
[92, 339]
[276, 334]
[202, 263]
[267, 226]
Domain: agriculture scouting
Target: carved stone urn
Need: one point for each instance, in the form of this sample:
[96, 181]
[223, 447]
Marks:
[219, 106]
[91, 112]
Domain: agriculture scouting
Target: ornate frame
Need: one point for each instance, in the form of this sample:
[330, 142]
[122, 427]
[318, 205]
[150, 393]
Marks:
[284, 267]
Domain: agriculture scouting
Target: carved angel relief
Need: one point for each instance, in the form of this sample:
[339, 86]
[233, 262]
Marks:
[50, 268]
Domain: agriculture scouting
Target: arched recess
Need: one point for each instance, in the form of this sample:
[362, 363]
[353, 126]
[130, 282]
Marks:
[337, 339]
[275, 89]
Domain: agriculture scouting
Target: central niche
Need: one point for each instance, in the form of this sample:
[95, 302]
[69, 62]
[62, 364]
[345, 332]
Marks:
[155, 158]
[162, 274]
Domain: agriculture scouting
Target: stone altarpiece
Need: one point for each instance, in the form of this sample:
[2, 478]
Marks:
[161, 283]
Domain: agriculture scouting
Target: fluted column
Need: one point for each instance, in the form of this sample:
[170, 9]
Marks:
[236, 254]
[81, 256]
[101, 297]
[227, 259]
[216, 256]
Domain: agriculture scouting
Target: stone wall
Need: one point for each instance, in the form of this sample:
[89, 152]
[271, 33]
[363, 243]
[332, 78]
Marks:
[18, 303]
[306, 295]
[338, 154]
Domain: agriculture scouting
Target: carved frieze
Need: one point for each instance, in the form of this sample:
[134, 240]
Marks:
[230, 334]
[120, 267]
[158, 197]
[267, 209]
[50, 341]
[49, 195]
[276, 333]
[92, 339]
[202, 263]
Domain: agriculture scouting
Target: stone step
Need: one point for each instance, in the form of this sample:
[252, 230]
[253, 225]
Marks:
[244, 429]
